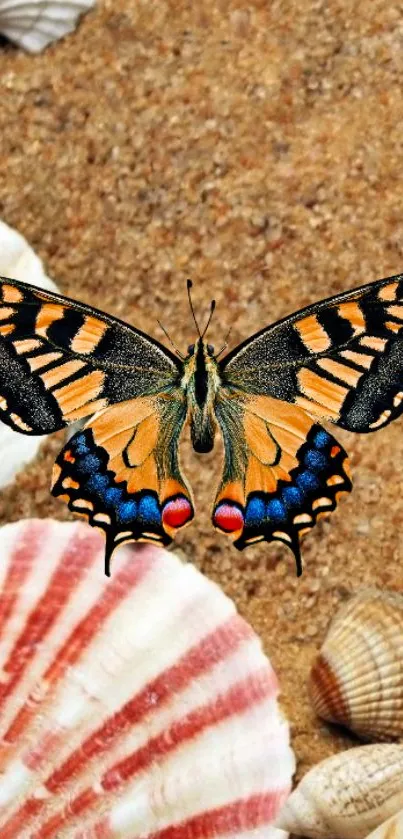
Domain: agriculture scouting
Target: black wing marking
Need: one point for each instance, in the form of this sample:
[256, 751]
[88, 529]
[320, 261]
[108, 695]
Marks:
[61, 360]
[341, 359]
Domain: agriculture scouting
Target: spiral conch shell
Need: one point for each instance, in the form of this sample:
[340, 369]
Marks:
[357, 679]
[347, 795]
[139, 706]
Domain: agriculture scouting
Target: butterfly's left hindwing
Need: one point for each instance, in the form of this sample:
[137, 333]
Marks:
[282, 471]
[122, 472]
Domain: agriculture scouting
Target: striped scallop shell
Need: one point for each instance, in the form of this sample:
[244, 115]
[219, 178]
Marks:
[347, 795]
[20, 262]
[34, 24]
[357, 679]
[136, 706]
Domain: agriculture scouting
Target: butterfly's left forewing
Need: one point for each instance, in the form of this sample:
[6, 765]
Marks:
[61, 361]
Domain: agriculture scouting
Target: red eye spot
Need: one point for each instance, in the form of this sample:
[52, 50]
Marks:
[228, 517]
[177, 512]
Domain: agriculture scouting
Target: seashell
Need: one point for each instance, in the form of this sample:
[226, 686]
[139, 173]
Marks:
[34, 24]
[391, 829]
[18, 260]
[357, 679]
[137, 706]
[347, 795]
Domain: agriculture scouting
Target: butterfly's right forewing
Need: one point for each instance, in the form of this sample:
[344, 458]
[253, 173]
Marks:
[340, 359]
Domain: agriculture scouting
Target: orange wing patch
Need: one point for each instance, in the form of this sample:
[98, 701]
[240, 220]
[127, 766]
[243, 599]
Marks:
[88, 336]
[325, 396]
[353, 313]
[48, 314]
[79, 398]
[129, 433]
[313, 334]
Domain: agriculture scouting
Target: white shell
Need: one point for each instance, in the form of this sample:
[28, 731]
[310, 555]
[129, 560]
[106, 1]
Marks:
[391, 829]
[347, 795]
[357, 679]
[130, 705]
[34, 24]
[19, 262]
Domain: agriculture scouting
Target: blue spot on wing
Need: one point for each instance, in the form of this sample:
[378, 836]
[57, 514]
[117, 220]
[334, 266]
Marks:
[126, 511]
[255, 512]
[307, 481]
[292, 496]
[276, 510]
[321, 439]
[149, 510]
[97, 483]
[90, 463]
[317, 461]
[80, 445]
[113, 495]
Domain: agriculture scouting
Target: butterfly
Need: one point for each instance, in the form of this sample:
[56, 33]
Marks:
[338, 360]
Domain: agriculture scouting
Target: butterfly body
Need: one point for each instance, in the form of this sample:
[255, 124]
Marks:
[339, 360]
[201, 383]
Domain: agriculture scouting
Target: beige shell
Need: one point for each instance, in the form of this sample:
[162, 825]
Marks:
[347, 795]
[357, 679]
[391, 829]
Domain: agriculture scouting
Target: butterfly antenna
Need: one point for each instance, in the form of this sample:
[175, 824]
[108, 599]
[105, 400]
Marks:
[189, 285]
[170, 340]
[212, 307]
[225, 344]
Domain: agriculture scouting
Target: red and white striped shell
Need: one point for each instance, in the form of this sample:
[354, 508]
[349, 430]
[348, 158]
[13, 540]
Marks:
[139, 706]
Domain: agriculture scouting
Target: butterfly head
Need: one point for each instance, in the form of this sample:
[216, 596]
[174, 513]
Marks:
[192, 347]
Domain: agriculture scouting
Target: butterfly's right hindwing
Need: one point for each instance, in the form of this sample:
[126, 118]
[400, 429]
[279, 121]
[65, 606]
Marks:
[282, 471]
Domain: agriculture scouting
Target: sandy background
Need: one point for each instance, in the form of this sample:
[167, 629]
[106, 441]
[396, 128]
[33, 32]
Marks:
[258, 149]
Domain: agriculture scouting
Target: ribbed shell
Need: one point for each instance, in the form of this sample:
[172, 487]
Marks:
[34, 24]
[347, 795]
[391, 829]
[138, 706]
[357, 679]
[19, 262]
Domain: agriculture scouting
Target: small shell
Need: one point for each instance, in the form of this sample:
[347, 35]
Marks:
[19, 262]
[391, 829]
[347, 795]
[34, 24]
[357, 679]
[136, 706]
